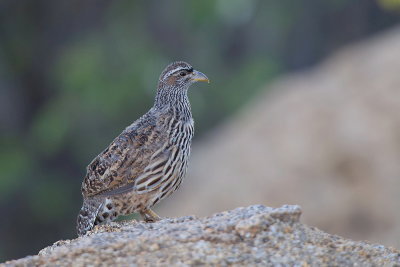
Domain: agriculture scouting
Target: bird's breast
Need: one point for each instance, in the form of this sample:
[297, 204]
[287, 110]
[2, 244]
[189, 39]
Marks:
[181, 133]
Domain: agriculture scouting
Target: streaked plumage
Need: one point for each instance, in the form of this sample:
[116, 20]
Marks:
[148, 160]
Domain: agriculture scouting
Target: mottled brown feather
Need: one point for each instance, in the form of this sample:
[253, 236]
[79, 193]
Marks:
[127, 156]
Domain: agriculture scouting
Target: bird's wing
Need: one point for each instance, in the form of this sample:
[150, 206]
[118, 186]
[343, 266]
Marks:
[133, 161]
[108, 170]
[160, 169]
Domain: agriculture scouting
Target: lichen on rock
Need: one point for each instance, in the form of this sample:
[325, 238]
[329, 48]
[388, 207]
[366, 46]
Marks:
[256, 235]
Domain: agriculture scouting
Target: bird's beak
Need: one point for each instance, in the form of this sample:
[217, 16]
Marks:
[199, 77]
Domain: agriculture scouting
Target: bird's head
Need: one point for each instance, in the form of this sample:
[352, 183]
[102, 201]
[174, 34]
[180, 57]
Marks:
[180, 75]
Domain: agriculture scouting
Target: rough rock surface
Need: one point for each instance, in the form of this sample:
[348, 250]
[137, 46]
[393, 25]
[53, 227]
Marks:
[256, 235]
[326, 139]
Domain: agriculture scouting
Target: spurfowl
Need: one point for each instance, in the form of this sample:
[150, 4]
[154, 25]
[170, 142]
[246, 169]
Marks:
[148, 160]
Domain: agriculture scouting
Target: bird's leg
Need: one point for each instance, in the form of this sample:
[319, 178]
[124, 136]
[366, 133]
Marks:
[149, 216]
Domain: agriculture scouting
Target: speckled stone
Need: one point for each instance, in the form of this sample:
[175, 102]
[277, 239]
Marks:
[256, 236]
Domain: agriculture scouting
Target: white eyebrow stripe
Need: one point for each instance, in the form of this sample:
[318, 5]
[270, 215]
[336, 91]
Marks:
[172, 71]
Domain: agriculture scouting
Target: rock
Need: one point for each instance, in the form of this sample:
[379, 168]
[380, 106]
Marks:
[327, 139]
[256, 235]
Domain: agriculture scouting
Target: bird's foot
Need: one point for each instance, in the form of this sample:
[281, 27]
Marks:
[149, 216]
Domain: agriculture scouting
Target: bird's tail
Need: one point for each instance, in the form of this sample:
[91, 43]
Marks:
[87, 215]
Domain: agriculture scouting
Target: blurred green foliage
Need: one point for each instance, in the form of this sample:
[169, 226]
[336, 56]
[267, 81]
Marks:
[390, 4]
[74, 74]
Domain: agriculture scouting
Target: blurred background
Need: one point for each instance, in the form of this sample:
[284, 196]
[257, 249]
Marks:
[303, 107]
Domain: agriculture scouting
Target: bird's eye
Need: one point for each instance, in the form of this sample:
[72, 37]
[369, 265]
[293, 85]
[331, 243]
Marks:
[182, 73]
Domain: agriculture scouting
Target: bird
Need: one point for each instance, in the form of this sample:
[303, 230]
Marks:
[148, 160]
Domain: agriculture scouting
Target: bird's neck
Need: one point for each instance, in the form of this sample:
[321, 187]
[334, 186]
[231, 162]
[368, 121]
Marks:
[175, 101]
